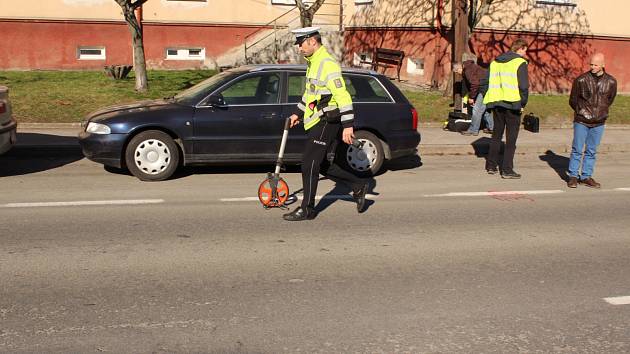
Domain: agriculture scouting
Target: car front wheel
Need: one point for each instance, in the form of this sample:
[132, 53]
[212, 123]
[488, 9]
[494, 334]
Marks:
[152, 156]
[367, 160]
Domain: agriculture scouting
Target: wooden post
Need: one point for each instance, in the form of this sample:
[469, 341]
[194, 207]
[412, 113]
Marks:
[460, 40]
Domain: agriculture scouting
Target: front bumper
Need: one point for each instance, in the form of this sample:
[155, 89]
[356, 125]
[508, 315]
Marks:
[107, 149]
[8, 135]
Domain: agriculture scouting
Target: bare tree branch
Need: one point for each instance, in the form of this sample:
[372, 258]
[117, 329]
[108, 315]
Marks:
[307, 13]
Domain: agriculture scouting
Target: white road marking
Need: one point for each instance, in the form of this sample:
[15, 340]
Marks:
[83, 203]
[477, 194]
[317, 197]
[618, 300]
[452, 194]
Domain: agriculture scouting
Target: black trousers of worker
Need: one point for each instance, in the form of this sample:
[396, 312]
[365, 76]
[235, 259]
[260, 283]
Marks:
[510, 120]
[318, 143]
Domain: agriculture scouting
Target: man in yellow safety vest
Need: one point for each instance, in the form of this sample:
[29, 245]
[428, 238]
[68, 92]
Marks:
[508, 90]
[325, 108]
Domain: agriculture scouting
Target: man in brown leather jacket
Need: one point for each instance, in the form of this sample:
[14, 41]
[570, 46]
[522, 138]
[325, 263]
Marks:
[591, 95]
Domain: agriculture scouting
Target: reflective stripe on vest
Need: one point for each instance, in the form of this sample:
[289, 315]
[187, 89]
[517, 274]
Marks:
[315, 88]
[503, 83]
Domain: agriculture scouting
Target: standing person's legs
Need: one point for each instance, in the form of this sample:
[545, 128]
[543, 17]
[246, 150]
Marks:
[487, 116]
[580, 132]
[477, 112]
[593, 138]
[492, 161]
[512, 126]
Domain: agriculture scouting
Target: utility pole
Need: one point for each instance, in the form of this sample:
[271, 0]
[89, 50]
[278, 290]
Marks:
[460, 41]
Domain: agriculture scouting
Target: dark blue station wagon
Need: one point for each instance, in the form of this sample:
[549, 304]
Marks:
[237, 117]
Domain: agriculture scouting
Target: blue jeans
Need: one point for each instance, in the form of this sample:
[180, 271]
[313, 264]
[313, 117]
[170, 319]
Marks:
[583, 135]
[479, 111]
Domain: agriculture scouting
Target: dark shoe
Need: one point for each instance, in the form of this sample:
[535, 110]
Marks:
[300, 214]
[573, 182]
[492, 171]
[359, 197]
[467, 132]
[487, 131]
[590, 182]
[510, 175]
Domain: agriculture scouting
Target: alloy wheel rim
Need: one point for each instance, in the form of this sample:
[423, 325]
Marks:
[362, 159]
[152, 156]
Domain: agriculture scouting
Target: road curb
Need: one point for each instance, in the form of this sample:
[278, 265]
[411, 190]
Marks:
[35, 126]
[482, 149]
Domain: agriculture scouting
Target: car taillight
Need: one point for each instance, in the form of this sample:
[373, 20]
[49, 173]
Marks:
[414, 118]
[3, 107]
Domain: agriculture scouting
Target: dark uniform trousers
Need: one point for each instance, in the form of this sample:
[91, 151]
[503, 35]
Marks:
[319, 141]
[510, 120]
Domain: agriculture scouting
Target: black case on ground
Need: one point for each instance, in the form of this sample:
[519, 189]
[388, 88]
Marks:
[531, 123]
[457, 122]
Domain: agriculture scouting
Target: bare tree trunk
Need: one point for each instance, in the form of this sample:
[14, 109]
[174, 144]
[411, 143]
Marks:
[139, 62]
[139, 65]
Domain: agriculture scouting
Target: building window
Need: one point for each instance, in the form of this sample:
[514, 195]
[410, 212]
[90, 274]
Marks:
[362, 60]
[415, 66]
[186, 53]
[90, 53]
[571, 3]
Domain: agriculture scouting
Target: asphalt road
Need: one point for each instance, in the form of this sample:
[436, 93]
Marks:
[446, 259]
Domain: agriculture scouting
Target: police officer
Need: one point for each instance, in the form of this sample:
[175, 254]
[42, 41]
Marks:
[507, 95]
[326, 107]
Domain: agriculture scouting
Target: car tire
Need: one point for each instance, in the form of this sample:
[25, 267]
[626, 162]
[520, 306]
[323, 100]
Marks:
[364, 162]
[152, 155]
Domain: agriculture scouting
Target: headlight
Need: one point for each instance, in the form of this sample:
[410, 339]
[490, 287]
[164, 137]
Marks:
[97, 128]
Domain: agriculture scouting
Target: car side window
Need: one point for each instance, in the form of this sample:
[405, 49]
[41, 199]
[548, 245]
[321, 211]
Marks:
[256, 89]
[297, 83]
[365, 89]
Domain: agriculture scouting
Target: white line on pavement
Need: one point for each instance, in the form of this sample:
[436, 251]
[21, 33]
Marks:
[333, 196]
[83, 203]
[618, 300]
[477, 194]
[623, 189]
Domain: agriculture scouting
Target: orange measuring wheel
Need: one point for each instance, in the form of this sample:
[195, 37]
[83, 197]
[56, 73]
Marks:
[273, 192]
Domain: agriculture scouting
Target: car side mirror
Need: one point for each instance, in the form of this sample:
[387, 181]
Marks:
[216, 101]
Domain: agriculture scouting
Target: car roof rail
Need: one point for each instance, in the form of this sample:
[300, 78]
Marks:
[263, 67]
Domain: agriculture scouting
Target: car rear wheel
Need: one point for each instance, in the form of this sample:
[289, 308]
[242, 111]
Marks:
[152, 156]
[365, 161]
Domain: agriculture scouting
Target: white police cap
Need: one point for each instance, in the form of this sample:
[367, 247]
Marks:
[302, 33]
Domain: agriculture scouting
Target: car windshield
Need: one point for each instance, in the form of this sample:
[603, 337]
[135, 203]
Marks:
[193, 95]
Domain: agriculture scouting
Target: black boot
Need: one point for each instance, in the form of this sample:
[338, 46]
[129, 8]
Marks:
[359, 196]
[300, 214]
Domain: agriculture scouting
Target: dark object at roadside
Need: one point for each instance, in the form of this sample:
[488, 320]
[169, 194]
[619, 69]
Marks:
[457, 122]
[8, 125]
[531, 123]
[385, 58]
[118, 72]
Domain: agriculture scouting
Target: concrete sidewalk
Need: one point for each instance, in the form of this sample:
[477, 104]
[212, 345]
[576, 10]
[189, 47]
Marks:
[35, 137]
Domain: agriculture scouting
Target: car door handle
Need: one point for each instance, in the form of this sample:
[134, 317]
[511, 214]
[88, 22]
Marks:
[269, 115]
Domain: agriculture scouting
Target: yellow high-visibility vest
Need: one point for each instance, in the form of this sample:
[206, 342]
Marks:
[503, 83]
[323, 77]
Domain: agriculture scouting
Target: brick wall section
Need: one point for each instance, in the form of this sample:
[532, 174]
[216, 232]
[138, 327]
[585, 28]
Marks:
[554, 60]
[52, 45]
